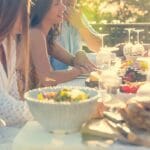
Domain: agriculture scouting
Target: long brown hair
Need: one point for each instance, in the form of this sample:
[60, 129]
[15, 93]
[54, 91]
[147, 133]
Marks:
[9, 10]
[25, 44]
[8, 15]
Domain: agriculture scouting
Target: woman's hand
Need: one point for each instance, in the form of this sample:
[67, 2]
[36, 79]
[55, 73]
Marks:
[80, 70]
[81, 60]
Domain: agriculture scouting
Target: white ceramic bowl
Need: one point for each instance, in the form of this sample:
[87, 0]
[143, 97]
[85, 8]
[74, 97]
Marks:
[61, 116]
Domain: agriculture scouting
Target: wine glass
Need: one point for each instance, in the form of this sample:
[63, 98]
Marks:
[127, 49]
[109, 84]
[103, 63]
[101, 36]
[138, 48]
[103, 57]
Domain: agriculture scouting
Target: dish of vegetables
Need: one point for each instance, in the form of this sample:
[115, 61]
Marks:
[64, 95]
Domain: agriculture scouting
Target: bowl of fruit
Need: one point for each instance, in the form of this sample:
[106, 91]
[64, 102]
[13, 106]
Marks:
[62, 109]
[133, 76]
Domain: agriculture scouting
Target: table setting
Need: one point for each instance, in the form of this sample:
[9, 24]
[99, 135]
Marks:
[56, 127]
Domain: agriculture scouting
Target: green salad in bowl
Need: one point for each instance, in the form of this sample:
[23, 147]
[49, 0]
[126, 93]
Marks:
[65, 94]
[62, 108]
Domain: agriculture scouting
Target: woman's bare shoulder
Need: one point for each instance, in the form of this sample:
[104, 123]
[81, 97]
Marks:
[37, 41]
[36, 34]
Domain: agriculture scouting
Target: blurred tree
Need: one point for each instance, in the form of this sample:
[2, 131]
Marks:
[116, 11]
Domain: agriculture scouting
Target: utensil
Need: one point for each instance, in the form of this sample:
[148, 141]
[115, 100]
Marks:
[126, 135]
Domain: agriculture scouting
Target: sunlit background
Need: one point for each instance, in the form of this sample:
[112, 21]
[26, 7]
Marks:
[100, 13]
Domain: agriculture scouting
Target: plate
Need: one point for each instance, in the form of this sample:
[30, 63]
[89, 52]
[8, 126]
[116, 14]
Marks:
[99, 128]
[125, 96]
[82, 76]
[92, 84]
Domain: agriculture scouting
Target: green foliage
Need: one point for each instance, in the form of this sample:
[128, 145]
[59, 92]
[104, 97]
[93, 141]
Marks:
[124, 11]
[115, 11]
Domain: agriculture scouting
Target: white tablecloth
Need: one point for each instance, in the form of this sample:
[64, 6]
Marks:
[7, 134]
[41, 140]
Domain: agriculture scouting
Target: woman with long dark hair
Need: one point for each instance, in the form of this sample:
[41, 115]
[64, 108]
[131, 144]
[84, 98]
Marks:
[46, 15]
[14, 60]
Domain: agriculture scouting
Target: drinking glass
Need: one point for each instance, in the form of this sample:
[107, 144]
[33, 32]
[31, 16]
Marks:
[138, 48]
[103, 56]
[127, 49]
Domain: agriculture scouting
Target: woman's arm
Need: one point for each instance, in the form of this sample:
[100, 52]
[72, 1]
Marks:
[93, 42]
[61, 54]
[91, 39]
[40, 60]
[80, 58]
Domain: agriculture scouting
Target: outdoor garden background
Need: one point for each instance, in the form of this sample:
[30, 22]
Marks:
[113, 16]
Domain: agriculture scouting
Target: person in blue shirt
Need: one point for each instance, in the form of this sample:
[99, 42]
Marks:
[75, 29]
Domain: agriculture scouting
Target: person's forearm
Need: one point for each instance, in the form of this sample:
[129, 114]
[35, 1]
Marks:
[61, 54]
[60, 77]
[93, 42]
[63, 76]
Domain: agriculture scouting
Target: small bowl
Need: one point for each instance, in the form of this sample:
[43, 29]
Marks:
[61, 116]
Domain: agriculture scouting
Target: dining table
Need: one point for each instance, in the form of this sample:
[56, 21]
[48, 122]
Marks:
[10, 135]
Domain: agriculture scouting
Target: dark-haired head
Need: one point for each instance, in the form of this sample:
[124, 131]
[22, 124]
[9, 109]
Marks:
[9, 13]
[38, 11]
[49, 10]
